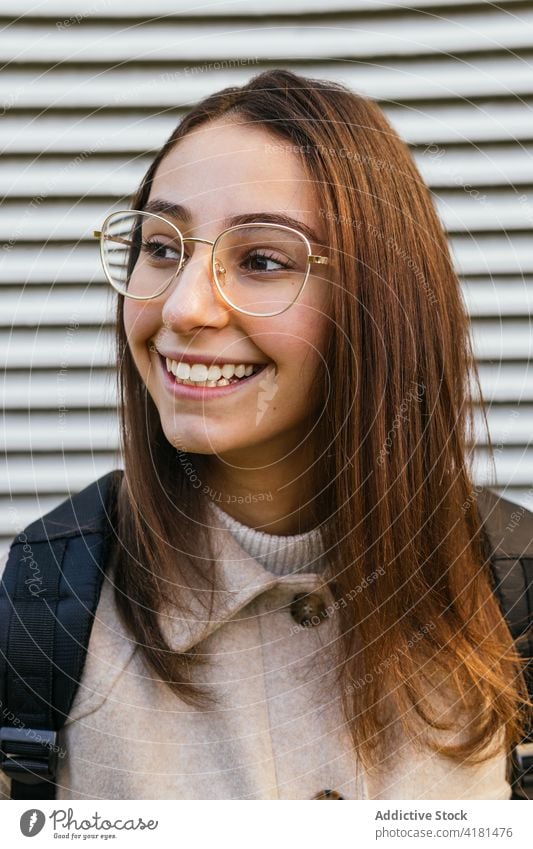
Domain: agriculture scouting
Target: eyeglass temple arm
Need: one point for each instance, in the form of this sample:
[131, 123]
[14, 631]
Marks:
[98, 234]
[319, 260]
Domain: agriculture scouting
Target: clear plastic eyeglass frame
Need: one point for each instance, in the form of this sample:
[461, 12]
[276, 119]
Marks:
[216, 268]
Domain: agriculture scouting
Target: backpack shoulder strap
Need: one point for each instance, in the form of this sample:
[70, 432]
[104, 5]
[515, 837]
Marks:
[508, 529]
[48, 596]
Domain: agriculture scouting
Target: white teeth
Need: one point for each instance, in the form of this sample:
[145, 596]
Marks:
[214, 373]
[200, 374]
[181, 370]
[228, 370]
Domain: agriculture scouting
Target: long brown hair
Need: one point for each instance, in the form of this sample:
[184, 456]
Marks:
[398, 510]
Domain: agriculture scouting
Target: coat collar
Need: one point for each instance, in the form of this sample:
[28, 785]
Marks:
[241, 579]
[112, 647]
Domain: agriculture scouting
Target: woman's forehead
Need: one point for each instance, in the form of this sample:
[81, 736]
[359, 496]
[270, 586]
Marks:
[250, 172]
[232, 157]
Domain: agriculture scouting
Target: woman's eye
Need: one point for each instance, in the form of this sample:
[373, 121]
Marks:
[160, 250]
[261, 261]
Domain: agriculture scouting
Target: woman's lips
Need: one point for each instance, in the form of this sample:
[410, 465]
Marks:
[203, 393]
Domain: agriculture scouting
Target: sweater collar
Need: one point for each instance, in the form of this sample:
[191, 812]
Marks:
[280, 554]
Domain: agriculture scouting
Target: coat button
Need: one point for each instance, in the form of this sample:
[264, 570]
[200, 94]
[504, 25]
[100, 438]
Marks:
[308, 609]
[328, 794]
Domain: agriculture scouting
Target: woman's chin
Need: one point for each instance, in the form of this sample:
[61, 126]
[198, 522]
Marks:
[204, 443]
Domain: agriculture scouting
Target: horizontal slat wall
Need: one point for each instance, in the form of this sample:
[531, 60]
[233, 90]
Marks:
[87, 97]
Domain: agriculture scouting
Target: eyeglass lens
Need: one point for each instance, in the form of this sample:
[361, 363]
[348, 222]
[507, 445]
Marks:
[258, 268]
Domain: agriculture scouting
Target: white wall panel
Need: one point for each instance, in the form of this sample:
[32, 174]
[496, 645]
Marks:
[389, 80]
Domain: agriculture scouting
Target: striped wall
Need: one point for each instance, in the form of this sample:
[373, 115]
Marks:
[89, 91]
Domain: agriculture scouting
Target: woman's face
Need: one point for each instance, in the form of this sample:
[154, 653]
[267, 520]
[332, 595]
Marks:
[220, 171]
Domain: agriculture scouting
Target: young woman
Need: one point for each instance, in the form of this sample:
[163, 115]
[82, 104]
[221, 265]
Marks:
[297, 606]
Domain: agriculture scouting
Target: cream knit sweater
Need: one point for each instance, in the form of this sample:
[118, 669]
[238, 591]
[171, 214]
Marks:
[282, 555]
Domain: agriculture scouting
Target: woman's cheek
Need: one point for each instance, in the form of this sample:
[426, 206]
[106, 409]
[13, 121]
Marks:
[306, 342]
[140, 325]
[130, 320]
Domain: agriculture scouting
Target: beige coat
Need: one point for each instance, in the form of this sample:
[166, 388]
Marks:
[278, 731]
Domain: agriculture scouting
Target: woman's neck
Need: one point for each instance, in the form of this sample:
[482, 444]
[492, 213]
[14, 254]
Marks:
[270, 500]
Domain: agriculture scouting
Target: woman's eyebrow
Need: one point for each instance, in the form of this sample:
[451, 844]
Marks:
[177, 210]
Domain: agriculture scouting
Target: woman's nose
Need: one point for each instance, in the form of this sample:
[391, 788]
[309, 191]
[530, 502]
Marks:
[193, 298]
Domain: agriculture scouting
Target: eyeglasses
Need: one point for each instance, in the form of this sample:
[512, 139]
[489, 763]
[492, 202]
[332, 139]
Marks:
[259, 268]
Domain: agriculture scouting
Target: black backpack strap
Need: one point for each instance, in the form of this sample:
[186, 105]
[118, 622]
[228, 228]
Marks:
[48, 596]
[508, 531]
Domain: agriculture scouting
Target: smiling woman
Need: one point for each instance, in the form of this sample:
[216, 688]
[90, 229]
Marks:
[298, 603]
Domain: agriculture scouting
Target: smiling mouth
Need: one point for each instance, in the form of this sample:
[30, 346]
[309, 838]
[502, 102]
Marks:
[198, 378]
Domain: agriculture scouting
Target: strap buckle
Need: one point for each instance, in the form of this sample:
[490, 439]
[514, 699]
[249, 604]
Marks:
[28, 755]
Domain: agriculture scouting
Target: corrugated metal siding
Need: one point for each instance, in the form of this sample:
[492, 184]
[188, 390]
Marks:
[90, 91]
